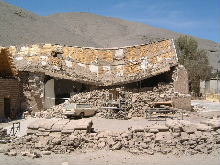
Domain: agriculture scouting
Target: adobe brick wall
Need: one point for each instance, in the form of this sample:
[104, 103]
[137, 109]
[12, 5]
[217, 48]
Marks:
[9, 88]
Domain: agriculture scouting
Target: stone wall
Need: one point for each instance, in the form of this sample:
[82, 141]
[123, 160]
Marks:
[181, 86]
[10, 88]
[33, 91]
[181, 80]
[182, 102]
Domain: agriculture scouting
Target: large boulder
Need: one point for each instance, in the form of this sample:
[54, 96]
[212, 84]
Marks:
[203, 127]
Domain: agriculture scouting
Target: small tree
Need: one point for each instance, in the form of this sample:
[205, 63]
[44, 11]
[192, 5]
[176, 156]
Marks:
[195, 61]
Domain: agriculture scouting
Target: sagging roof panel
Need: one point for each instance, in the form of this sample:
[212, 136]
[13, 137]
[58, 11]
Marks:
[97, 66]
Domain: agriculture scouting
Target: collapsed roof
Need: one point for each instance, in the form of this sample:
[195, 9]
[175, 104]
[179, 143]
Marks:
[96, 66]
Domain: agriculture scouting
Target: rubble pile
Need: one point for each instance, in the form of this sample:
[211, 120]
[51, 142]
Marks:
[4, 137]
[141, 100]
[198, 108]
[121, 114]
[55, 111]
[95, 97]
[175, 137]
[137, 101]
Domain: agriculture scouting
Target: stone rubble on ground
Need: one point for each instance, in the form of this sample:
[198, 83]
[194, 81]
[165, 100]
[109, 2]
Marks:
[137, 101]
[198, 108]
[65, 136]
[4, 137]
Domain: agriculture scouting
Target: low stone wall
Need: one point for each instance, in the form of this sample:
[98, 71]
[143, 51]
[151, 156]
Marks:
[175, 137]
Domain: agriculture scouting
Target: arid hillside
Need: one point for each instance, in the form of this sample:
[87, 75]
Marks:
[19, 26]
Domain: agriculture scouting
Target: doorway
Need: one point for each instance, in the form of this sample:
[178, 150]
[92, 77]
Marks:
[7, 107]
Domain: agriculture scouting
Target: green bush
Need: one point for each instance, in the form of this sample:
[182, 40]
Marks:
[195, 61]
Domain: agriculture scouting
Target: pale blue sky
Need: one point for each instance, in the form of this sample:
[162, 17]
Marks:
[196, 17]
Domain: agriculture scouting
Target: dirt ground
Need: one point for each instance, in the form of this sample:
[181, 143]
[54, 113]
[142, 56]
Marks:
[118, 157]
[209, 106]
[112, 157]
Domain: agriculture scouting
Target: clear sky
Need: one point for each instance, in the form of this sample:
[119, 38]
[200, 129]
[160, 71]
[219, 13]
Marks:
[195, 17]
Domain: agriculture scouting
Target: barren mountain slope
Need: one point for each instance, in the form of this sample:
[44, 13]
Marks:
[114, 32]
[19, 26]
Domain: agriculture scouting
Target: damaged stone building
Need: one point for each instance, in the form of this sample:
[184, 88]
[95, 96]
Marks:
[37, 77]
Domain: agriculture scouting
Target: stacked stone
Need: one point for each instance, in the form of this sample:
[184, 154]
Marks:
[175, 137]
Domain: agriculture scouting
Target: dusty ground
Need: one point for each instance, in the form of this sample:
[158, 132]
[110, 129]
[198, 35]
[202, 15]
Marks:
[119, 157]
[209, 106]
[112, 157]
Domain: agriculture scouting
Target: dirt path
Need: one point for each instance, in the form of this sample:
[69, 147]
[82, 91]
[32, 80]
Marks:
[112, 157]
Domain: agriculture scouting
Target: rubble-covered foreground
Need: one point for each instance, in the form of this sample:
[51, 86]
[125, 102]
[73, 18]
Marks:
[64, 136]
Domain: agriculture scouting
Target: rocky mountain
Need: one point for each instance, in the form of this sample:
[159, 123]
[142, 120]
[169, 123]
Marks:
[19, 26]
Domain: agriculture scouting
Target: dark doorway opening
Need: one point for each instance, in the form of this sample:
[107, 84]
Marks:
[64, 89]
[7, 107]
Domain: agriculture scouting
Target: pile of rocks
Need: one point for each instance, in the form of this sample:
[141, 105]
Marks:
[198, 108]
[95, 97]
[4, 137]
[53, 112]
[176, 137]
[138, 100]
[121, 114]
[141, 100]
